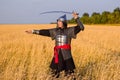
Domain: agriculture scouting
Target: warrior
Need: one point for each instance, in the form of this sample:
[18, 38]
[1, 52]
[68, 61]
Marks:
[62, 59]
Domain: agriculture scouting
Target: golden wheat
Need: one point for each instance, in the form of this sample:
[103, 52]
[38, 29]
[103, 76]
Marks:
[23, 56]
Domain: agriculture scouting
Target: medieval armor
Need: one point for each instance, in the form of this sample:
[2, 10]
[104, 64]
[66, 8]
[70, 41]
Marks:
[61, 40]
[62, 59]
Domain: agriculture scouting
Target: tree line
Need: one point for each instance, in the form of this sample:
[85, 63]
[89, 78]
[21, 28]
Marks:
[105, 17]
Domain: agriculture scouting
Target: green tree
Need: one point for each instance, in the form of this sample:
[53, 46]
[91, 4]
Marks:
[85, 18]
[116, 14]
[111, 19]
[104, 17]
[96, 18]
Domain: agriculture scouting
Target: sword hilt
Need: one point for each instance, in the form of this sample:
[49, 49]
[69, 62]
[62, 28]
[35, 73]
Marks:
[75, 13]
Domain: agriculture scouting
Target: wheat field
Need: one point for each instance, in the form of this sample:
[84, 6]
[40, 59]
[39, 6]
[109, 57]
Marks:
[96, 53]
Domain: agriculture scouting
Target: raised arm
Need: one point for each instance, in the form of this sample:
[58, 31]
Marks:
[79, 26]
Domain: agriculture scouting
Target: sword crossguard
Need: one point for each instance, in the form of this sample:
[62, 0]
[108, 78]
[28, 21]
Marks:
[75, 13]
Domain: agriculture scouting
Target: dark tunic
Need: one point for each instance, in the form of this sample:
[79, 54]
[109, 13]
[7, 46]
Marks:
[65, 58]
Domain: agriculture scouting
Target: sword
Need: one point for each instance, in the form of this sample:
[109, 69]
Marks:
[58, 12]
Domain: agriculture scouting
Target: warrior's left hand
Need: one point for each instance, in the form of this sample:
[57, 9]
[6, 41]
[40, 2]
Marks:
[75, 15]
[29, 31]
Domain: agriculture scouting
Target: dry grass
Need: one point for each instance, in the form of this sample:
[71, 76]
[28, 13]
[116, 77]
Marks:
[96, 53]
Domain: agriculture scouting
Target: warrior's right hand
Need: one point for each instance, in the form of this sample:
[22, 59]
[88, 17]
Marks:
[75, 15]
[29, 31]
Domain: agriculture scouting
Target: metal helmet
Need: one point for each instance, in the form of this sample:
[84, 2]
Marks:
[64, 20]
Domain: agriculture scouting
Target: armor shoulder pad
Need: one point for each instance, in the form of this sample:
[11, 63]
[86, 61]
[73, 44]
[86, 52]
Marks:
[52, 33]
[71, 32]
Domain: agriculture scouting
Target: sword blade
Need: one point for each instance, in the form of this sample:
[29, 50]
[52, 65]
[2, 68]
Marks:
[56, 12]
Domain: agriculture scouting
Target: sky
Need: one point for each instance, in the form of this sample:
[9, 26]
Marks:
[28, 11]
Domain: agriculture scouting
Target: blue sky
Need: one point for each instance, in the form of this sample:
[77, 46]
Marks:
[28, 11]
